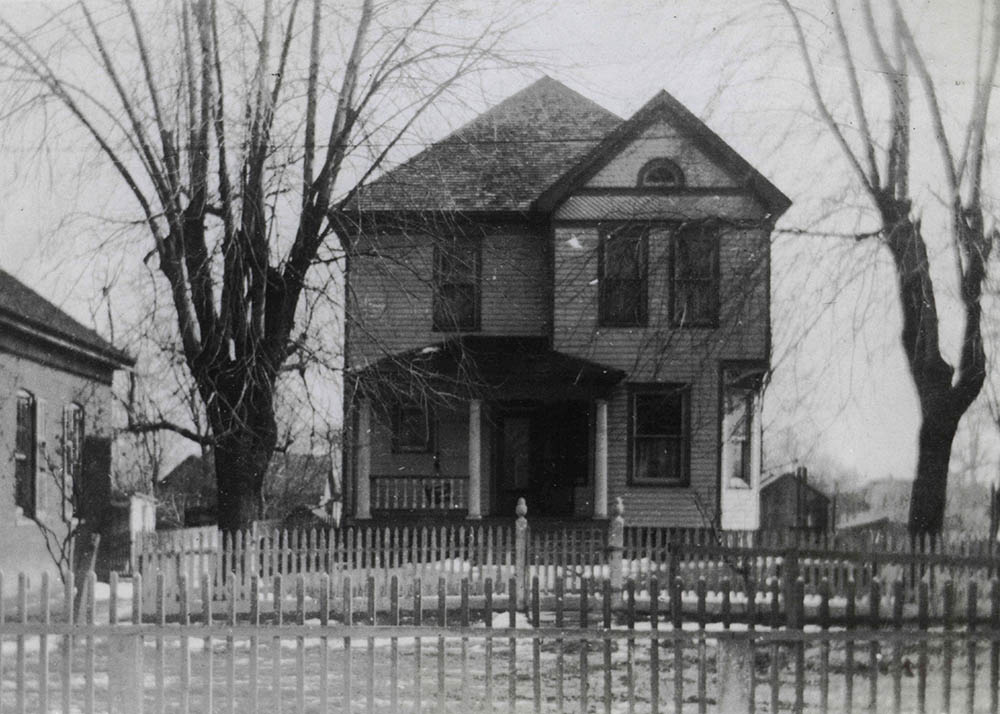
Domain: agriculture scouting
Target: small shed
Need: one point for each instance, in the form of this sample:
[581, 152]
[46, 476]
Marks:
[791, 502]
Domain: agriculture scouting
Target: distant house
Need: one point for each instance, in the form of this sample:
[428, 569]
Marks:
[558, 304]
[297, 484]
[55, 431]
[790, 502]
[883, 506]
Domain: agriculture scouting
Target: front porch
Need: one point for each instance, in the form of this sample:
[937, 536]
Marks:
[554, 455]
[489, 425]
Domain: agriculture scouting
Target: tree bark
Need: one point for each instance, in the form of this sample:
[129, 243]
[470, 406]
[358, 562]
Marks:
[245, 431]
[241, 461]
[929, 492]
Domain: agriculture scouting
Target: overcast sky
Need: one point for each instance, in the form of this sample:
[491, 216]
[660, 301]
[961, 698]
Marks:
[840, 382]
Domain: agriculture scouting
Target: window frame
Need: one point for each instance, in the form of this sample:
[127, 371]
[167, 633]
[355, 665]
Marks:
[661, 388]
[438, 283]
[641, 232]
[704, 234]
[661, 162]
[748, 379]
[399, 409]
[73, 420]
[29, 455]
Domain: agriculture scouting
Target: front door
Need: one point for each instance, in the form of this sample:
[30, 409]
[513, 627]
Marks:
[542, 457]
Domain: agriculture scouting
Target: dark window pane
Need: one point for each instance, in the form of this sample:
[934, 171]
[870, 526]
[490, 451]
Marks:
[659, 415]
[623, 279]
[456, 286]
[623, 257]
[661, 172]
[24, 455]
[455, 307]
[658, 459]
[412, 429]
[695, 288]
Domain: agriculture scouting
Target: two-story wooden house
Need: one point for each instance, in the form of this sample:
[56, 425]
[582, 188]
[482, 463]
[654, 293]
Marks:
[559, 304]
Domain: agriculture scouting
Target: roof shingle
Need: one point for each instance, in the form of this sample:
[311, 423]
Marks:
[501, 160]
[23, 305]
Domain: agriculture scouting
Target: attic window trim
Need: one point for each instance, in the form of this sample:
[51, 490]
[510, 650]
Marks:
[647, 174]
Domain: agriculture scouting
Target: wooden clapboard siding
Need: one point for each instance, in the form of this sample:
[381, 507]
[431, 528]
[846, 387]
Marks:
[661, 139]
[657, 351]
[390, 296]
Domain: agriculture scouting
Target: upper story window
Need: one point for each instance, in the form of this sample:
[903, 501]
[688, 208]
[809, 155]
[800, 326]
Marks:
[659, 434]
[695, 278]
[456, 287]
[25, 453]
[622, 275]
[661, 173]
[72, 454]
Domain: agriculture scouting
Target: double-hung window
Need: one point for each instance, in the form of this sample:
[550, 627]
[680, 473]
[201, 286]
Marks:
[658, 434]
[740, 396]
[622, 266]
[411, 429]
[72, 456]
[25, 445]
[456, 287]
[695, 278]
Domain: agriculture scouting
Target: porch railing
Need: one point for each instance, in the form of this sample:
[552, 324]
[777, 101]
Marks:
[419, 493]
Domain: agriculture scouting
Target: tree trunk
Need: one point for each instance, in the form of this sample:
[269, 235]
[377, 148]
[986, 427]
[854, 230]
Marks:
[240, 464]
[928, 496]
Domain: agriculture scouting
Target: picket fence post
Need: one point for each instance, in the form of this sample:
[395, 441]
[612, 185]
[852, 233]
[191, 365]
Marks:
[616, 546]
[735, 668]
[521, 550]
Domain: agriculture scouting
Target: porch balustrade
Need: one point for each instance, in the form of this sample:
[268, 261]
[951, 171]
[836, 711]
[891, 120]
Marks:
[419, 493]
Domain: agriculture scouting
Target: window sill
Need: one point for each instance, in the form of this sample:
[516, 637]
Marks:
[642, 483]
[694, 325]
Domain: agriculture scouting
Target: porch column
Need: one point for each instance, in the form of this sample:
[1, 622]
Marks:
[362, 508]
[601, 460]
[475, 459]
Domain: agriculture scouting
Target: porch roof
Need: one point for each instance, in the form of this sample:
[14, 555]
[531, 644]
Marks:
[492, 368]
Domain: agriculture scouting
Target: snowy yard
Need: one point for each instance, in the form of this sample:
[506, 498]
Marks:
[371, 661]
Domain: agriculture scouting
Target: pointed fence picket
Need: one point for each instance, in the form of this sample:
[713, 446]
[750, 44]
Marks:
[570, 553]
[654, 649]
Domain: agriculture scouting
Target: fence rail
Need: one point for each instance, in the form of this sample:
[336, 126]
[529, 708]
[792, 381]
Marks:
[572, 553]
[596, 651]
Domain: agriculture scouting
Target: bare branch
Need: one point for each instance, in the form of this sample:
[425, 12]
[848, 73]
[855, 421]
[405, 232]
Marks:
[821, 104]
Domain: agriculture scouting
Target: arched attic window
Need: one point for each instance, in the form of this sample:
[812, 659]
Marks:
[661, 173]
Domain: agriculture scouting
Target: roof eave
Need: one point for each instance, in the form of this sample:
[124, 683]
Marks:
[770, 195]
[110, 357]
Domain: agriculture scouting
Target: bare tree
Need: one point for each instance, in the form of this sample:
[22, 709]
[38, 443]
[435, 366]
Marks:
[214, 122]
[881, 156]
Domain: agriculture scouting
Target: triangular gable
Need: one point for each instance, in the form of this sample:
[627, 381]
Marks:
[665, 107]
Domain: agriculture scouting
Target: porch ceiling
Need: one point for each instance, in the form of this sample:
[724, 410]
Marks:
[490, 368]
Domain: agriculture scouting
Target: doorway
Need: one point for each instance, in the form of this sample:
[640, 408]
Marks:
[542, 456]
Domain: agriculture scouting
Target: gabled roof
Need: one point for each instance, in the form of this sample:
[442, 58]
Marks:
[23, 308]
[501, 160]
[666, 106]
[532, 150]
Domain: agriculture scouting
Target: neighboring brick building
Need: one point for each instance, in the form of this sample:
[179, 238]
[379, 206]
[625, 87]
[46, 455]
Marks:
[559, 304]
[55, 440]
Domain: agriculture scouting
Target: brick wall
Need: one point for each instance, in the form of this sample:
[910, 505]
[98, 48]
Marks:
[55, 381]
